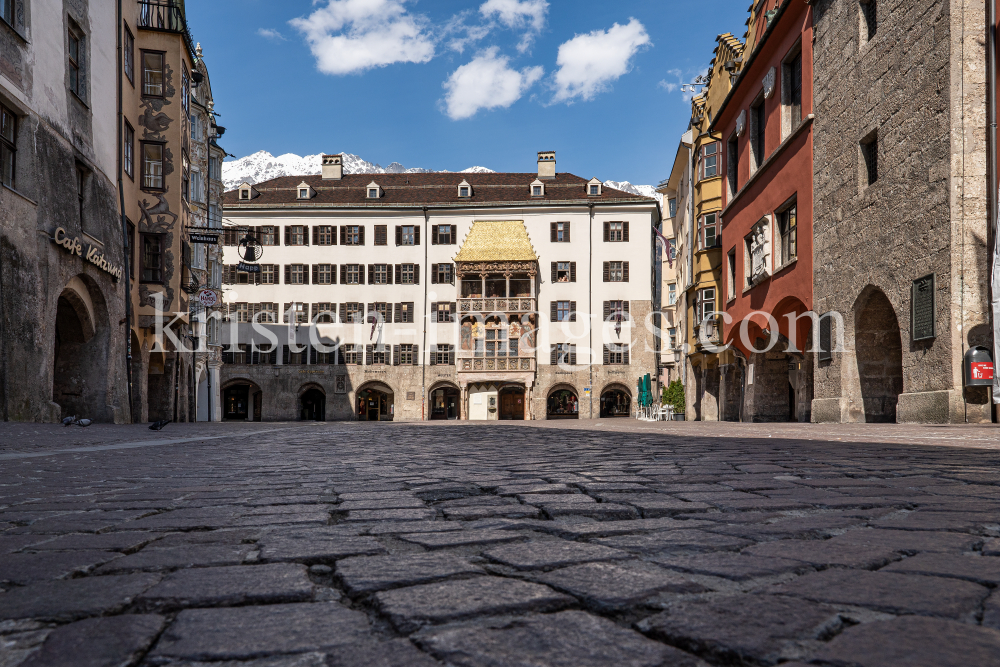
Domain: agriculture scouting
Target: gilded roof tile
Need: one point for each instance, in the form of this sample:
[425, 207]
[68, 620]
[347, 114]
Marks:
[497, 240]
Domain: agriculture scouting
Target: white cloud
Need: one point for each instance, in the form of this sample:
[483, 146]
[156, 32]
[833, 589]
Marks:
[670, 86]
[487, 82]
[271, 34]
[526, 15]
[589, 63]
[351, 36]
[458, 33]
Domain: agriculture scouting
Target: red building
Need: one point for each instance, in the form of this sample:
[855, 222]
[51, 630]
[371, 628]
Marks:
[766, 126]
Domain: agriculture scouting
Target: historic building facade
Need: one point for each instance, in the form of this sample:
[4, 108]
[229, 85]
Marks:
[900, 223]
[437, 296]
[62, 282]
[766, 124]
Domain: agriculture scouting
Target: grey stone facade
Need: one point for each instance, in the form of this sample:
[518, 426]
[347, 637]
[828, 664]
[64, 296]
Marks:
[918, 85]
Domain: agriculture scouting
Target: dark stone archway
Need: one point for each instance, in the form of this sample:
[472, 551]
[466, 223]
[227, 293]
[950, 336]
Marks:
[79, 378]
[879, 350]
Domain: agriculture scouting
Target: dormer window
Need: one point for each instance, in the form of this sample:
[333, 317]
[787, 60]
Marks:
[464, 189]
[537, 189]
[374, 191]
[594, 188]
[245, 193]
[305, 191]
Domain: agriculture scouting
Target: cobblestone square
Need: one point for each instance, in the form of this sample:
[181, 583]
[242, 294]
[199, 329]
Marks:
[610, 542]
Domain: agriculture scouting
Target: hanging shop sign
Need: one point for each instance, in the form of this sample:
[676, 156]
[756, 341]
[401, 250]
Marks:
[199, 237]
[248, 268]
[208, 297]
[89, 252]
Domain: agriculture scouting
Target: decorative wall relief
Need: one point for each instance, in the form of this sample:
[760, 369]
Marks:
[161, 209]
[156, 123]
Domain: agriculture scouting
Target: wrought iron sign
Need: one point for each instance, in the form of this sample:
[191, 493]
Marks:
[250, 250]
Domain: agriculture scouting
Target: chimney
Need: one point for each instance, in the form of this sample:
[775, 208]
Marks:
[333, 167]
[547, 165]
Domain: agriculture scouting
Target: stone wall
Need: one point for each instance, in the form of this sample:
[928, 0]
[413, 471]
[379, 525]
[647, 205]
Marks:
[916, 85]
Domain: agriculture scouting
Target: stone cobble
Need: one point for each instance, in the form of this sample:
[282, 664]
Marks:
[610, 542]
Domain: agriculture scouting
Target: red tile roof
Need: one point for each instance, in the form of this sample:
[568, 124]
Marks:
[439, 189]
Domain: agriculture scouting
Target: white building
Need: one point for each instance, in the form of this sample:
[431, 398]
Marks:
[419, 296]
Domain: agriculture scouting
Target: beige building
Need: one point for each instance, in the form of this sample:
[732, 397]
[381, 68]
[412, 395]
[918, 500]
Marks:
[438, 296]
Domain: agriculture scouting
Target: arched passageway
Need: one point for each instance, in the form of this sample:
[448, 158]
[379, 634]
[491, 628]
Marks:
[444, 402]
[312, 405]
[562, 403]
[376, 402]
[879, 349]
[616, 401]
[79, 378]
[241, 401]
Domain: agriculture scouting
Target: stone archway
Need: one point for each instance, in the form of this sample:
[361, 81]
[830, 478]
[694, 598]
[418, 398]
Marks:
[312, 403]
[616, 401]
[376, 401]
[563, 402]
[241, 401]
[445, 400]
[79, 377]
[879, 350]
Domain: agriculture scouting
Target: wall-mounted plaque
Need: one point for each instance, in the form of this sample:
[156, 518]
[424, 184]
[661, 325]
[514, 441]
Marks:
[922, 318]
[825, 351]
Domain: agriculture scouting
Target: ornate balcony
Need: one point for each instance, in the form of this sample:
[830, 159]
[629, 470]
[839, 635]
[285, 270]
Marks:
[165, 16]
[496, 305]
[480, 365]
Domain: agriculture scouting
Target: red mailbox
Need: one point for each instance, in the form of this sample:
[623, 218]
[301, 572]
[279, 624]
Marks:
[978, 367]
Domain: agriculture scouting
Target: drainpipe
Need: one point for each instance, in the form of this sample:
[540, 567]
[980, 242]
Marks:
[125, 243]
[423, 349]
[590, 302]
[993, 193]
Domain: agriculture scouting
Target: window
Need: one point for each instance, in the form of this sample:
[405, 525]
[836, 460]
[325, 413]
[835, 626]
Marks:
[442, 273]
[295, 274]
[671, 338]
[672, 207]
[324, 312]
[788, 233]
[595, 190]
[464, 191]
[614, 231]
[197, 127]
[758, 128]
[442, 312]
[152, 74]
[407, 274]
[352, 235]
[128, 150]
[732, 165]
[564, 272]
[8, 147]
[77, 49]
[7, 11]
[323, 274]
[563, 354]
[378, 312]
[245, 193]
[407, 235]
[381, 235]
[405, 356]
[536, 190]
[559, 232]
[296, 235]
[379, 274]
[242, 312]
[185, 91]
[616, 355]
[710, 160]
[349, 353]
[793, 73]
[731, 274]
[242, 277]
[128, 55]
[152, 258]
[373, 193]
[672, 294]
[443, 234]
[197, 187]
[616, 272]
[404, 313]
[323, 235]
[443, 355]
[353, 274]
[268, 274]
[496, 341]
[152, 166]
[563, 311]
[267, 235]
[353, 313]
[215, 168]
[709, 230]
[704, 305]
[299, 312]
[268, 313]
[869, 19]
[303, 193]
[869, 157]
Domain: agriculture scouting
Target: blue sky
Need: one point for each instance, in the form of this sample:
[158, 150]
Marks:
[448, 84]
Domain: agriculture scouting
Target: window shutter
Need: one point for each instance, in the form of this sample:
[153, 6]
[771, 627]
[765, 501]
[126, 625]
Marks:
[368, 355]
[388, 313]
[434, 349]
[607, 231]
[625, 272]
[398, 312]
[305, 274]
[343, 313]
[451, 272]
[343, 274]
[416, 355]
[313, 356]
[371, 273]
[288, 235]
[607, 356]
[607, 272]
[566, 231]
[305, 234]
[361, 235]
[316, 235]
[399, 274]
[552, 232]
[288, 274]
[255, 357]
[434, 313]
[343, 235]
[552, 355]
[572, 311]
[313, 310]
[416, 235]
[553, 311]
[416, 274]
[572, 355]
[625, 354]
[434, 234]
[572, 272]
[625, 231]
[453, 309]
[451, 355]
[399, 235]
[555, 270]
[607, 310]
[333, 235]
[361, 274]
[434, 274]
[395, 355]
[286, 355]
[256, 278]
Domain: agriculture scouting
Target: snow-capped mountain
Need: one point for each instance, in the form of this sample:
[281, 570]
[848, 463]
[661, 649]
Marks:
[262, 166]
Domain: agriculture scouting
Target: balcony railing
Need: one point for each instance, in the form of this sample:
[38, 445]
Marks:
[496, 305]
[496, 364]
[167, 16]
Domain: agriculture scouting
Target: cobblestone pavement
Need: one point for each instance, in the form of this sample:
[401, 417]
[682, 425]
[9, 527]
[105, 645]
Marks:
[550, 543]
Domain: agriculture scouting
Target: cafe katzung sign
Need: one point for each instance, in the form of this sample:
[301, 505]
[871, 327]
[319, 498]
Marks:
[89, 252]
